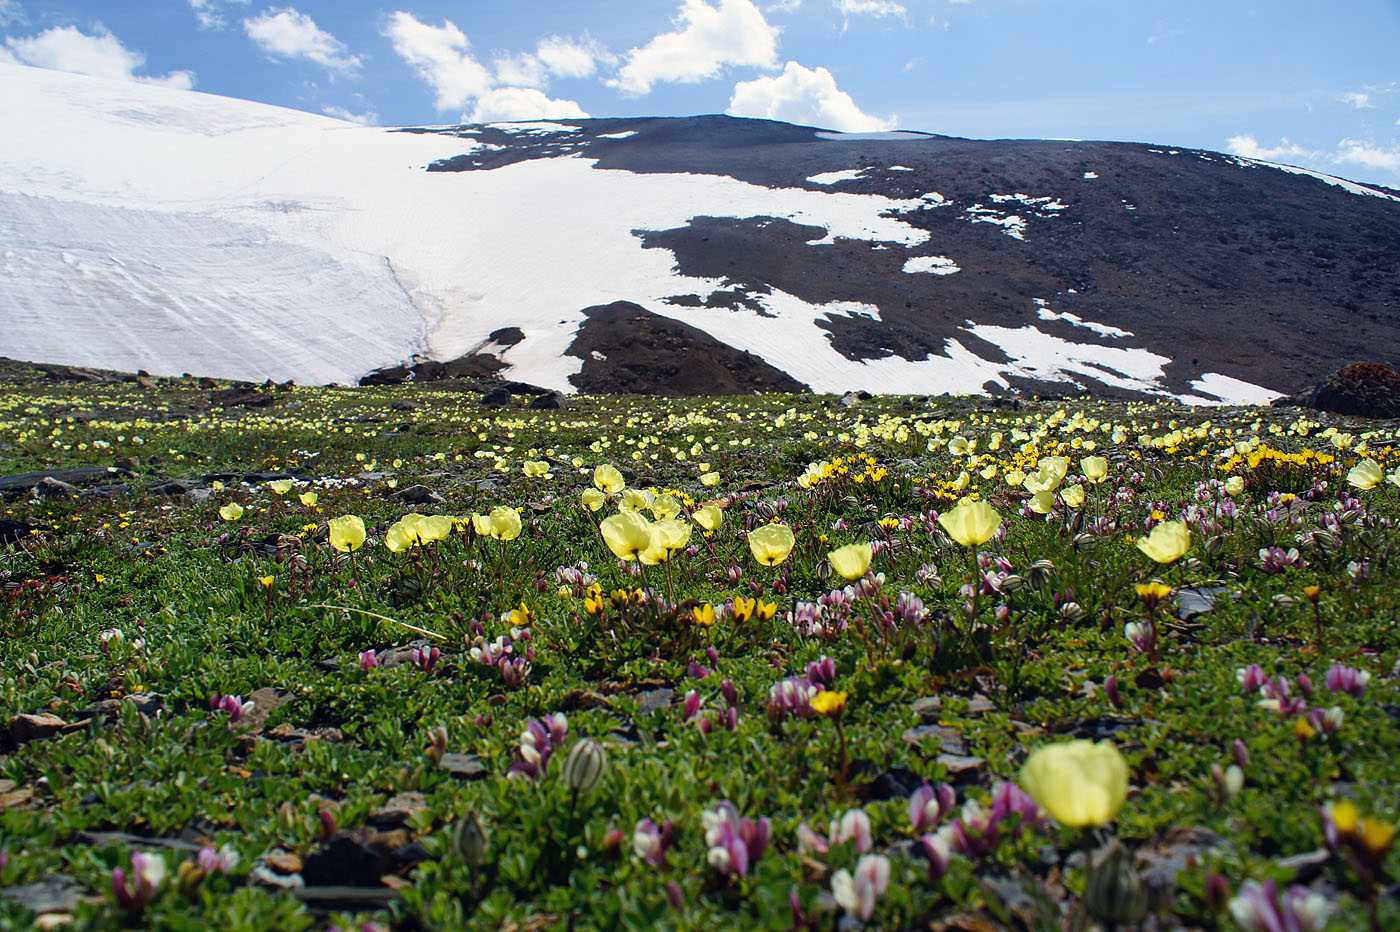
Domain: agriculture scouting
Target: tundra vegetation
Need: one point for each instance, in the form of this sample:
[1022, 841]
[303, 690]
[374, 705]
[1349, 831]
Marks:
[384, 658]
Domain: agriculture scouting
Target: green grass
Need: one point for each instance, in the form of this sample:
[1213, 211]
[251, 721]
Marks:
[211, 607]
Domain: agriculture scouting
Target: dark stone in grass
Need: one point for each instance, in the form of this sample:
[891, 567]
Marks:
[84, 475]
[241, 397]
[56, 893]
[168, 486]
[33, 727]
[466, 766]
[895, 783]
[346, 860]
[498, 397]
[12, 531]
[1195, 601]
[550, 401]
[349, 898]
[1361, 390]
[419, 495]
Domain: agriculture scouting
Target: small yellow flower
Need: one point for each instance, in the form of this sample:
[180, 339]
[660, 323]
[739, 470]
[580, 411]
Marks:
[267, 581]
[1312, 592]
[537, 469]
[1167, 543]
[1234, 485]
[709, 478]
[593, 600]
[593, 498]
[281, 486]
[1302, 730]
[743, 610]
[771, 543]
[231, 512]
[852, 560]
[704, 615]
[1072, 495]
[309, 499]
[1153, 592]
[828, 703]
[505, 523]
[521, 617]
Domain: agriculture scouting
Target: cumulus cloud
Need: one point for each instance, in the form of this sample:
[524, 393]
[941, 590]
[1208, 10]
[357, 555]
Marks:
[504, 104]
[368, 118]
[708, 38]
[1250, 148]
[554, 57]
[11, 13]
[1370, 155]
[807, 96]
[289, 33]
[209, 12]
[67, 48]
[441, 57]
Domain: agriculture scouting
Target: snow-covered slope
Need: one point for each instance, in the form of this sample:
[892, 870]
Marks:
[143, 227]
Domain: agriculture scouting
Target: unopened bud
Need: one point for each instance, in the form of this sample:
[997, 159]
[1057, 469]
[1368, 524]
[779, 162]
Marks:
[1012, 582]
[471, 840]
[1039, 573]
[585, 765]
[1241, 753]
[674, 896]
[1114, 891]
[1215, 547]
[1110, 688]
[1072, 612]
[328, 826]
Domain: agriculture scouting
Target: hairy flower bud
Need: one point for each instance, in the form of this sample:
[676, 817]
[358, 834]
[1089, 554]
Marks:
[585, 765]
[471, 840]
[1114, 891]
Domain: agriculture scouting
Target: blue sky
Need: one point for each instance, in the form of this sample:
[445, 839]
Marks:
[1307, 83]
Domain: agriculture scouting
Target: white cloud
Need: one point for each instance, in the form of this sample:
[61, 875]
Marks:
[66, 48]
[505, 104]
[1357, 152]
[209, 13]
[523, 70]
[572, 58]
[12, 13]
[368, 118]
[876, 8]
[441, 57]
[803, 95]
[1361, 100]
[289, 33]
[709, 38]
[554, 57]
[1250, 148]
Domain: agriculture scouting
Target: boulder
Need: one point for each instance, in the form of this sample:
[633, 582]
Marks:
[1362, 389]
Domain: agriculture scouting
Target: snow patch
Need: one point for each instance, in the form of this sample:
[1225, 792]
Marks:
[936, 265]
[1349, 186]
[848, 174]
[1232, 391]
[1090, 176]
[1045, 313]
[624, 135]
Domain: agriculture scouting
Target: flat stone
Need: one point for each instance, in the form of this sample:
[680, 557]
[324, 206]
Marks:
[33, 727]
[1191, 602]
[398, 810]
[266, 701]
[85, 475]
[960, 765]
[56, 893]
[950, 740]
[284, 862]
[467, 766]
[419, 495]
[653, 699]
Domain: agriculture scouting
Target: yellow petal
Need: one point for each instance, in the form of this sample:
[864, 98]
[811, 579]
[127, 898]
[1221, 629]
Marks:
[627, 534]
[608, 479]
[970, 523]
[710, 517]
[851, 561]
[505, 523]
[1168, 542]
[347, 533]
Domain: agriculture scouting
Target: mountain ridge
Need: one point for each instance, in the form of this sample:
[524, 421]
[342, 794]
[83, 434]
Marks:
[193, 233]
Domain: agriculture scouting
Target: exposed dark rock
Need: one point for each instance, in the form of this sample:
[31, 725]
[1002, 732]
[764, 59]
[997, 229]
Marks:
[419, 495]
[626, 349]
[238, 397]
[32, 727]
[551, 401]
[346, 860]
[1361, 390]
[49, 487]
[12, 531]
[498, 397]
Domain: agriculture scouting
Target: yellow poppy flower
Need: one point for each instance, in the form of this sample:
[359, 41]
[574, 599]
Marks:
[664, 507]
[281, 486]
[593, 499]
[608, 479]
[627, 534]
[1366, 474]
[771, 543]
[970, 523]
[1167, 543]
[505, 523]
[709, 517]
[347, 533]
[1079, 783]
[1072, 495]
[1095, 468]
[231, 512]
[828, 703]
[309, 499]
[709, 478]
